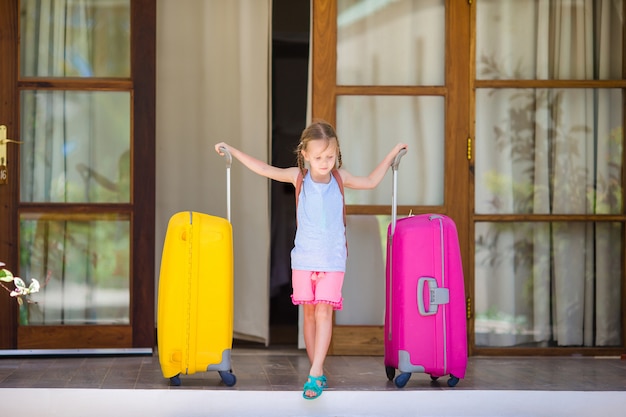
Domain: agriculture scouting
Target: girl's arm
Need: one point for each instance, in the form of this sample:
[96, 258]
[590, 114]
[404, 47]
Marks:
[376, 176]
[259, 167]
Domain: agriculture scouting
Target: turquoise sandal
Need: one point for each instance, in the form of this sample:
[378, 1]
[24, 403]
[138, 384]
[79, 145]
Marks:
[315, 384]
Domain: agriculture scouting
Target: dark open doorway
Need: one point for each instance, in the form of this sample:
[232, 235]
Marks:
[290, 61]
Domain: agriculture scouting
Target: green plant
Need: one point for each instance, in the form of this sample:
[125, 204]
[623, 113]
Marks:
[21, 291]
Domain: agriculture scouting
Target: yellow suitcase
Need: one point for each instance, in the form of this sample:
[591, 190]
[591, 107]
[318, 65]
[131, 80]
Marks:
[195, 297]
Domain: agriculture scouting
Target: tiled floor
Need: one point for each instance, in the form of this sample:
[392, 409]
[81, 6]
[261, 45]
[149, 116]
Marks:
[285, 369]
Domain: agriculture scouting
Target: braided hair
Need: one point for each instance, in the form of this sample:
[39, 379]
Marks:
[315, 131]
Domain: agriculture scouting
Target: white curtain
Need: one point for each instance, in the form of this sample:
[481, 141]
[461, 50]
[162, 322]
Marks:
[213, 85]
[388, 43]
[549, 151]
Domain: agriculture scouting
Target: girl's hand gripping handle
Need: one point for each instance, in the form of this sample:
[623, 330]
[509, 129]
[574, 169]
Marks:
[394, 189]
[396, 161]
[227, 156]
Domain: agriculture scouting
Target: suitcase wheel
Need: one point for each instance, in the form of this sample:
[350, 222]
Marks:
[434, 378]
[175, 380]
[228, 378]
[402, 379]
[391, 372]
[453, 381]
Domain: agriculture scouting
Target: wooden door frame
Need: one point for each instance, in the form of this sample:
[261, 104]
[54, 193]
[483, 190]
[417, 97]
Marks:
[369, 340]
[143, 79]
[8, 117]
[143, 64]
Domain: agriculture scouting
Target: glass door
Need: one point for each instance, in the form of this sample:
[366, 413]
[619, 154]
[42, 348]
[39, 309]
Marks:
[383, 73]
[548, 208]
[80, 214]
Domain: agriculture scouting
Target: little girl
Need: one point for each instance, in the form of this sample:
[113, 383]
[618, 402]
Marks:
[318, 259]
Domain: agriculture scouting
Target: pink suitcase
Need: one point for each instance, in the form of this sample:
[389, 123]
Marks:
[425, 327]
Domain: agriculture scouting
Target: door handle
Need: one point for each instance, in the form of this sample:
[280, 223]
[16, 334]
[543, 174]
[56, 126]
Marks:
[4, 175]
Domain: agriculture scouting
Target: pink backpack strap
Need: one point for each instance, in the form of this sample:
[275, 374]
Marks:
[299, 180]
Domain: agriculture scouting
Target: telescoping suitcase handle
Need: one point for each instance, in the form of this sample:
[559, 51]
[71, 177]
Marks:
[229, 162]
[394, 191]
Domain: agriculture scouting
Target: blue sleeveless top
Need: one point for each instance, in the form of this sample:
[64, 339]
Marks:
[320, 243]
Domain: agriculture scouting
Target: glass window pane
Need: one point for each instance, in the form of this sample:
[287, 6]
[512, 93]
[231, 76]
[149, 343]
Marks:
[76, 147]
[83, 264]
[389, 42]
[548, 284]
[545, 40]
[549, 151]
[369, 126]
[364, 283]
[88, 38]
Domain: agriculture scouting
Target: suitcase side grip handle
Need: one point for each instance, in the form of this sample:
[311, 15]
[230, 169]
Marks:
[436, 296]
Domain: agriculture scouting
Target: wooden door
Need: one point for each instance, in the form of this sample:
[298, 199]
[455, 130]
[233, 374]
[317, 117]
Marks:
[547, 218]
[77, 213]
[531, 149]
[338, 90]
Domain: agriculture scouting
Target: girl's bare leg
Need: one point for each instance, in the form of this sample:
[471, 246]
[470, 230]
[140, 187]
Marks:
[308, 328]
[318, 327]
[323, 333]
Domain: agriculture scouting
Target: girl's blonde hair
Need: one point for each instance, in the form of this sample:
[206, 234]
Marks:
[316, 131]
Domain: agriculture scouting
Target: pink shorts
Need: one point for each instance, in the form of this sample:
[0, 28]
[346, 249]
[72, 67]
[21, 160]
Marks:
[317, 287]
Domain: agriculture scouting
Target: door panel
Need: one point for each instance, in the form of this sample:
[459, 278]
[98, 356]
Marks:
[533, 157]
[70, 338]
[75, 146]
[548, 212]
[83, 261]
[402, 118]
[82, 222]
[388, 72]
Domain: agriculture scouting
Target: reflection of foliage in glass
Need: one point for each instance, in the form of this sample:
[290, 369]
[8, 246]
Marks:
[608, 195]
[77, 247]
[87, 257]
[519, 139]
[497, 322]
[538, 115]
[490, 69]
[535, 115]
[493, 251]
